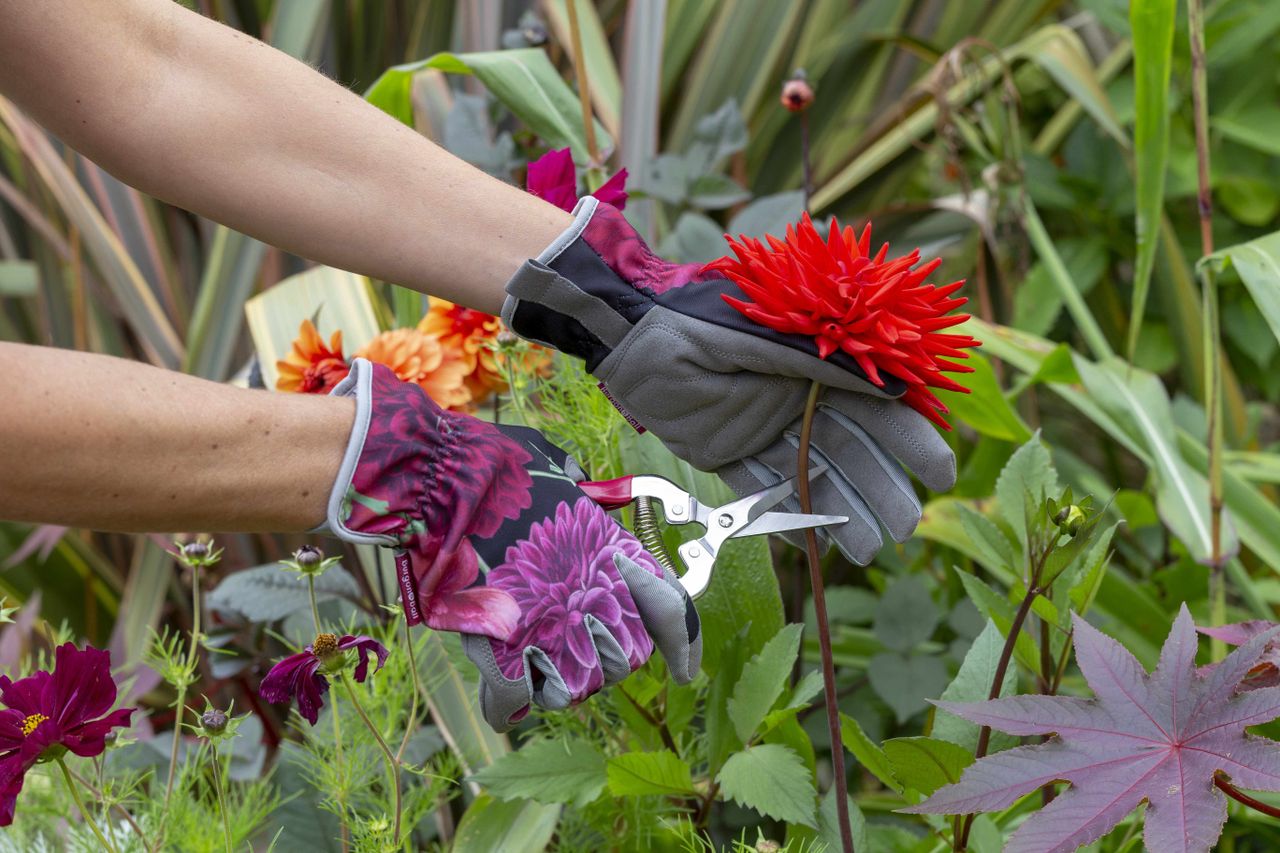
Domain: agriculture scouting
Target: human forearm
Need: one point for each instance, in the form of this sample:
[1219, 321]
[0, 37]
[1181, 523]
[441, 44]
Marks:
[103, 443]
[219, 123]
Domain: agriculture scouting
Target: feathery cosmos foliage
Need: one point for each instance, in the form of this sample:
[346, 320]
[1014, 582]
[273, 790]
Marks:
[1157, 737]
[881, 312]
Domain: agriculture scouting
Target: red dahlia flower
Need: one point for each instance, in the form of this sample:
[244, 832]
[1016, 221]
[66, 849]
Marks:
[881, 312]
[553, 178]
[50, 714]
[303, 675]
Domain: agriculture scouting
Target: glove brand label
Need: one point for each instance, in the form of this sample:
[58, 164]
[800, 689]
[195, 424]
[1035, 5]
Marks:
[408, 590]
[627, 416]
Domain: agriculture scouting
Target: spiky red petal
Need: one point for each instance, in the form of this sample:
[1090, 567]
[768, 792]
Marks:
[880, 312]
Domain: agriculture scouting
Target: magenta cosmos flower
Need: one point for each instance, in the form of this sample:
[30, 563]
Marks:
[552, 178]
[556, 598]
[47, 715]
[303, 675]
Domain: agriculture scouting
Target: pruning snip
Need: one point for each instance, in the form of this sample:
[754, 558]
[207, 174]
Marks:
[747, 516]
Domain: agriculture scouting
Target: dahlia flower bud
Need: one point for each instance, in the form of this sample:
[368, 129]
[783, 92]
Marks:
[214, 721]
[797, 94]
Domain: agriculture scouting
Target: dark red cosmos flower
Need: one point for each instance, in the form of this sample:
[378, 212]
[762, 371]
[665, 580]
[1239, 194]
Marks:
[881, 312]
[552, 178]
[303, 675]
[50, 714]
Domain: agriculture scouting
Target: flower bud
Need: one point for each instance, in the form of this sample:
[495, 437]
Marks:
[797, 94]
[1070, 519]
[195, 551]
[308, 556]
[214, 721]
[507, 338]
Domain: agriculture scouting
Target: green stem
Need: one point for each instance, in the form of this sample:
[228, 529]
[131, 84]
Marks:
[413, 705]
[84, 812]
[311, 593]
[392, 764]
[824, 629]
[188, 676]
[217, 787]
[333, 714]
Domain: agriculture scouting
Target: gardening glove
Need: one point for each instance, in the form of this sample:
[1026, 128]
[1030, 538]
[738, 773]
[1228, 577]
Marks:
[723, 392]
[494, 539]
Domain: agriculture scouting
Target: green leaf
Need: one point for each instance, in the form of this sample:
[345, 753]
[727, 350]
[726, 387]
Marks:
[1258, 264]
[548, 771]
[762, 681]
[985, 407]
[1139, 404]
[1151, 22]
[1027, 479]
[869, 755]
[905, 683]
[695, 239]
[829, 823]
[606, 86]
[926, 764]
[997, 552]
[525, 81]
[715, 192]
[490, 824]
[773, 780]
[230, 273]
[973, 684]
[19, 278]
[269, 593]
[634, 774]
[907, 615]
[1066, 59]
[770, 214]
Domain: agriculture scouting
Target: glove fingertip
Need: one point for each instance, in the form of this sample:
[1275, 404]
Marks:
[668, 614]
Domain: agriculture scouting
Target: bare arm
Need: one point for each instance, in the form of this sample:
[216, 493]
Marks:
[214, 121]
[104, 443]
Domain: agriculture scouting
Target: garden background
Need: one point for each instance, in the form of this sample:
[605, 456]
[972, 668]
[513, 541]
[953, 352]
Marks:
[1122, 277]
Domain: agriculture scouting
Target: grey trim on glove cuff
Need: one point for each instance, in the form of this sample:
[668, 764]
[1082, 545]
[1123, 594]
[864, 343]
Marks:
[358, 384]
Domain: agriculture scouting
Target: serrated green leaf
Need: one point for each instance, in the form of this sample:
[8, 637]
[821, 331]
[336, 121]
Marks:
[926, 764]
[996, 551]
[547, 771]
[869, 755]
[1028, 477]
[639, 773]
[489, 824]
[762, 681]
[773, 780]
[906, 682]
[973, 684]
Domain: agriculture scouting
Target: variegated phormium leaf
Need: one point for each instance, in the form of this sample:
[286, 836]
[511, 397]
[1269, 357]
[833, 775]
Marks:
[1157, 737]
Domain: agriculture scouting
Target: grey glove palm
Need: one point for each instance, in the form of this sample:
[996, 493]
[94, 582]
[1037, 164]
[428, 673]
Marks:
[721, 391]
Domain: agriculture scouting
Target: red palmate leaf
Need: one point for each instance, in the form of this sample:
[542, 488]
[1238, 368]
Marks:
[1156, 737]
[882, 312]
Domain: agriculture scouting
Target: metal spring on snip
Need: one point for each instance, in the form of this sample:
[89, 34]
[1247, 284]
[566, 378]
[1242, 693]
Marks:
[650, 535]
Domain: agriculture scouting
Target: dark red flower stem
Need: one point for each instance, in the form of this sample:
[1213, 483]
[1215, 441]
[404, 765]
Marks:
[824, 628]
[964, 823]
[1244, 799]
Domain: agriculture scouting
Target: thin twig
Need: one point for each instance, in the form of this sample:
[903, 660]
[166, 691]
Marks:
[188, 673]
[84, 812]
[393, 764]
[584, 86]
[124, 813]
[824, 629]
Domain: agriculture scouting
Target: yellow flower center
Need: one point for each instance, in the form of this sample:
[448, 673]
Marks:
[31, 723]
[324, 645]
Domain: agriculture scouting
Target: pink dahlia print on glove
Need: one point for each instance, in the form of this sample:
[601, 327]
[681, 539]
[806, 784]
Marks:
[423, 480]
[565, 580]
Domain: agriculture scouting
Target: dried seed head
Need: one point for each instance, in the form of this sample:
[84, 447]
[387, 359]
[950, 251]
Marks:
[797, 94]
[214, 721]
[765, 845]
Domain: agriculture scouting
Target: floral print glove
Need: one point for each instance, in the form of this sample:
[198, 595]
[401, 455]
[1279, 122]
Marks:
[724, 390]
[495, 540]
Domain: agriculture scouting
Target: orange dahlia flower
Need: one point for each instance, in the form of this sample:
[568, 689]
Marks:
[422, 359]
[474, 334]
[881, 312]
[311, 367]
